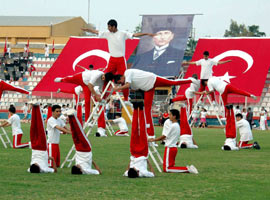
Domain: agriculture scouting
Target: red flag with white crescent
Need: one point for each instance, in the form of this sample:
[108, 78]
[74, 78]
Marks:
[248, 69]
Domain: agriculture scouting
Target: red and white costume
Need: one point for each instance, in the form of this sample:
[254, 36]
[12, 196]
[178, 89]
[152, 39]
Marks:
[171, 131]
[117, 44]
[139, 145]
[189, 93]
[186, 135]
[123, 129]
[8, 87]
[147, 82]
[83, 156]
[38, 141]
[245, 134]
[230, 131]
[54, 139]
[224, 89]
[17, 132]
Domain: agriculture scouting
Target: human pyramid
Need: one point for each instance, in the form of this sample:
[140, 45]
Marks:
[46, 152]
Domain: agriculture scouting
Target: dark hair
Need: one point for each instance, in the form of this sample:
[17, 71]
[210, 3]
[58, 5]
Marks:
[112, 22]
[54, 107]
[12, 109]
[109, 76]
[118, 114]
[175, 113]
[91, 66]
[195, 76]
[117, 78]
[237, 107]
[132, 173]
[206, 53]
[34, 168]
[239, 115]
[76, 170]
[204, 82]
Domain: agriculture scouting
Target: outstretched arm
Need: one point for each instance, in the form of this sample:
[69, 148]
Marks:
[223, 62]
[82, 67]
[163, 137]
[143, 34]
[5, 124]
[91, 30]
[188, 63]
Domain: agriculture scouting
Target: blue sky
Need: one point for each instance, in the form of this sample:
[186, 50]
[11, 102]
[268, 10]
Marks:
[215, 19]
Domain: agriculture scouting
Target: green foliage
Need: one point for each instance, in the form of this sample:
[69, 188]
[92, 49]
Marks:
[241, 30]
[240, 174]
[138, 28]
[191, 46]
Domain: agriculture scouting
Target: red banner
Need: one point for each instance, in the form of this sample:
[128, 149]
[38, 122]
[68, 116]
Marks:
[248, 69]
[79, 51]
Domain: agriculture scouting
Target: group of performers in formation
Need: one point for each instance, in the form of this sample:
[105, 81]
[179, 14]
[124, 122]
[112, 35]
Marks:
[46, 153]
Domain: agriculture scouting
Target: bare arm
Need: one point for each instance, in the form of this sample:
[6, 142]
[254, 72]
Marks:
[91, 30]
[5, 124]
[127, 85]
[84, 68]
[143, 34]
[223, 62]
[96, 167]
[63, 129]
[150, 167]
[54, 164]
[194, 142]
[188, 63]
[91, 88]
[163, 137]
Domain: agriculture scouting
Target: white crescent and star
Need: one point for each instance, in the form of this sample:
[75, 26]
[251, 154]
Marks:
[235, 53]
[96, 52]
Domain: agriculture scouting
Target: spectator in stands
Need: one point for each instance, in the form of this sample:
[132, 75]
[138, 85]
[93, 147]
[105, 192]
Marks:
[244, 113]
[25, 111]
[25, 52]
[250, 117]
[15, 123]
[9, 51]
[47, 51]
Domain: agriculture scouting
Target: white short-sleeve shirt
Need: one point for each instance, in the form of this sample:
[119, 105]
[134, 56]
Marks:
[41, 158]
[244, 130]
[139, 79]
[25, 109]
[93, 77]
[121, 123]
[206, 67]
[172, 135]
[15, 122]
[54, 133]
[203, 114]
[194, 87]
[215, 83]
[84, 159]
[116, 42]
[140, 164]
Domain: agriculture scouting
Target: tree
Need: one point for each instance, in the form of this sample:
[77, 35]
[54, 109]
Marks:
[138, 28]
[242, 30]
[191, 45]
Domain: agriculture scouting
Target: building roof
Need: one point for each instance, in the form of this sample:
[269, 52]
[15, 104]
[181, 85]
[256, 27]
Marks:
[32, 20]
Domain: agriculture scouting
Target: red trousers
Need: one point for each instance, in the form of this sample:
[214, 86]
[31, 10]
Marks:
[149, 96]
[203, 88]
[230, 124]
[184, 98]
[118, 66]
[54, 151]
[5, 86]
[244, 145]
[184, 125]
[17, 142]
[169, 161]
[119, 132]
[138, 140]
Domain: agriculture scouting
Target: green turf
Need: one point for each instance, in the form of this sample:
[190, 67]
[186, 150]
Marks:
[241, 174]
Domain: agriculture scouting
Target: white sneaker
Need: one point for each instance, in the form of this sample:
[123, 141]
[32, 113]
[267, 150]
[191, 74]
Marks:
[253, 97]
[192, 169]
[57, 80]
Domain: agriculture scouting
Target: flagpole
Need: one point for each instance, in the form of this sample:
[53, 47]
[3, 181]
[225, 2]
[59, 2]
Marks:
[88, 12]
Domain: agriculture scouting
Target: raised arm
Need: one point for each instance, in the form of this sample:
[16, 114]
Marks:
[223, 62]
[188, 63]
[91, 30]
[82, 67]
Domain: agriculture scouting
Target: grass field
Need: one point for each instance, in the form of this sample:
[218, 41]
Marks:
[241, 174]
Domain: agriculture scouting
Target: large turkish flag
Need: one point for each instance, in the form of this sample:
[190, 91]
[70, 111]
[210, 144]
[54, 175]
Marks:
[248, 69]
[82, 51]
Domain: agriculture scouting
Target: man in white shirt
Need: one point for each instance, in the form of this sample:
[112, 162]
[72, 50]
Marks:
[4, 86]
[186, 135]
[206, 69]
[171, 137]
[39, 159]
[47, 51]
[83, 156]
[117, 44]
[15, 122]
[146, 81]
[189, 93]
[54, 127]
[217, 84]
[88, 80]
[262, 119]
[245, 133]
[25, 111]
[121, 122]
[139, 146]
